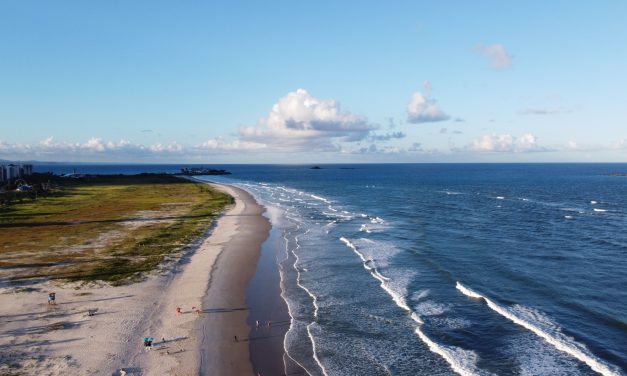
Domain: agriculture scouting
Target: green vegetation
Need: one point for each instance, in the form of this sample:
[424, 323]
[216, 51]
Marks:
[109, 228]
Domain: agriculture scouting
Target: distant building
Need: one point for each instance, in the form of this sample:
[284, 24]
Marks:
[26, 170]
[14, 171]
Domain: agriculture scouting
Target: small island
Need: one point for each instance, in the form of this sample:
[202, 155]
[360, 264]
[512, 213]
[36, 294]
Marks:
[203, 171]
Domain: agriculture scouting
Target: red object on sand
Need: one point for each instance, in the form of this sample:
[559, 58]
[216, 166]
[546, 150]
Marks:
[178, 310]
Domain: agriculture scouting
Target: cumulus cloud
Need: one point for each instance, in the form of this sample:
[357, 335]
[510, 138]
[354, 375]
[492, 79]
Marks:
[301, 122]
[421, 109]
[497, 55]
[504, 143]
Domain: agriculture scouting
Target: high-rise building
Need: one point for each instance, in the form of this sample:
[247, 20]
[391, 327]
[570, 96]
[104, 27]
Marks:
[12, 171]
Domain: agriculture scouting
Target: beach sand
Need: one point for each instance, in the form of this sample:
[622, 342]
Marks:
[61, 339]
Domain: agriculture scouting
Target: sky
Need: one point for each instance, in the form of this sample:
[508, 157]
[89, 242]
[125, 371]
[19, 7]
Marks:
[313, 82]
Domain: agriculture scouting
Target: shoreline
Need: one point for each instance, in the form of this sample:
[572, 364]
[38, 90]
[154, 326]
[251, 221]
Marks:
[269, 309]
[224, 303]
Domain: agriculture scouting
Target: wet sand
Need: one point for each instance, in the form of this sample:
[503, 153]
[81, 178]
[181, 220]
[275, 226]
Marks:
[224, 304]
[263, 297]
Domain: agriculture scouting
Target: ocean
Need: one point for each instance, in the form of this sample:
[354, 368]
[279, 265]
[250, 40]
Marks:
[443, 269]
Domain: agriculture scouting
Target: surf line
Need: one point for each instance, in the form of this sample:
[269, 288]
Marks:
[446, 352]
[571, 349]
[289, 307]
[314, 299]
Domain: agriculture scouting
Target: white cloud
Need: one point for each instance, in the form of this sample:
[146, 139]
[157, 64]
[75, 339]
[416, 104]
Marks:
[497, 55]
[416, 146]
[387, 136]
[374, 149]
[422, 110]
[545, 111]
[97, 149]
[537, 111]
[504, 143]
[301, 122]
[621, 144]
[219, 145]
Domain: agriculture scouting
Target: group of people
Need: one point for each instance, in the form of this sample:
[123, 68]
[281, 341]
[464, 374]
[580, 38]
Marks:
[196, 310]
[258, 324]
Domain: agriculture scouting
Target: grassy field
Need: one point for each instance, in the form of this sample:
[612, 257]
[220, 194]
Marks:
[109, 228]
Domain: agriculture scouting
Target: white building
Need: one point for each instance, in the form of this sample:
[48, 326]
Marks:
[13, 171]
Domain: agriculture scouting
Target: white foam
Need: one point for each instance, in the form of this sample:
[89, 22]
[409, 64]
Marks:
[289, 310]
[451, 192]
[500, 198]
[556, 338]
[370, 266]
[568, 216]
[599, 210]
[315, 304]
[364, 228]
[593, 202]
[430, 308]
[320, 198]
[461, 361]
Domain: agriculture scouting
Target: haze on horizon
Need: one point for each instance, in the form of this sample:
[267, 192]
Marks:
[293, 82]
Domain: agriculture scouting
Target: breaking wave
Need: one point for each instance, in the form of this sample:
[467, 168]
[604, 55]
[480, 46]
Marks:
[541, 326]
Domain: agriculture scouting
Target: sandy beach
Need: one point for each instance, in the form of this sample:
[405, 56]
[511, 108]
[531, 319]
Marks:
[208, 283]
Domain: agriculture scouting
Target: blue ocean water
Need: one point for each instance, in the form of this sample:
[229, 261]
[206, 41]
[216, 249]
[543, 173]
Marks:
[442, 269]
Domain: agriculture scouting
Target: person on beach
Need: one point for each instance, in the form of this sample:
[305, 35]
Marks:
[122, 372]
[51, 298]
[148, 343]
[235, 338]
[178, 311]
[257, 323]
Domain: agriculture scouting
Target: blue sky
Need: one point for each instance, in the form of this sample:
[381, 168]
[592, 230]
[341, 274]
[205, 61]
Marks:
[293, 82]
